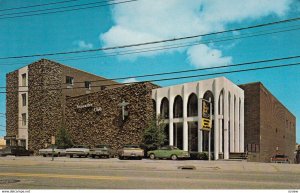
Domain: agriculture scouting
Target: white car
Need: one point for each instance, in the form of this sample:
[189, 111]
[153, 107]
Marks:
[58, 151]
[78, 150]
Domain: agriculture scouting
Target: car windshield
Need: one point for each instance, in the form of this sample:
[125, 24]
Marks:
[102, 146]
[80, 146]
[131, 146]
[280, 156]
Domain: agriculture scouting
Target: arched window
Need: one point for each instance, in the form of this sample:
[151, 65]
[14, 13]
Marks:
[208, 95]
[164, 108]
[178, 107]
[192, 108]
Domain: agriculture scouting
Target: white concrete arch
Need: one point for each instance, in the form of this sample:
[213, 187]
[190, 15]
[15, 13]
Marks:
[228, 113]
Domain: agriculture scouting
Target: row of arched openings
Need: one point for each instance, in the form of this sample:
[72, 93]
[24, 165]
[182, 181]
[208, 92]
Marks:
[192, 105]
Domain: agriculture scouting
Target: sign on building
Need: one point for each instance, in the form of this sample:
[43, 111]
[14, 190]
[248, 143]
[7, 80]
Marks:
[206, 115]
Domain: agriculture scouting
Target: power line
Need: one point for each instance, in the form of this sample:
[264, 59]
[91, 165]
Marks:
[173, 46]
[182, 71]
[55, 8]
[153, 42]
[39, 5]
[67, 10]
[176, 78]
[3, 113]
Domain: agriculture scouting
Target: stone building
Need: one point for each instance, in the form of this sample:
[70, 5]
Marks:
[98, 118]
[45, 95]
[180, 106]
[35, 100]
[270, 127]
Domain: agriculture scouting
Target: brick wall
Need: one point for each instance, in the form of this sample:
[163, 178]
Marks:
[267, 123]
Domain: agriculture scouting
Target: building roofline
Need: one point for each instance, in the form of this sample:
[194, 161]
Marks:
[44, 59]
[267, 90]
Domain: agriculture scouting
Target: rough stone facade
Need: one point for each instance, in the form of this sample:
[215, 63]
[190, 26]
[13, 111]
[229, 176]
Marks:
[47, 92]
[44, 102]
[88, 127]
[12, 103]
[268, 124]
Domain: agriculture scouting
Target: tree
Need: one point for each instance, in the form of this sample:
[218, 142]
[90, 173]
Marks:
[154, 135]
[63, 139]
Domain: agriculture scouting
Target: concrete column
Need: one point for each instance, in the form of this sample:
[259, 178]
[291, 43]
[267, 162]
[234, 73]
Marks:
[236, 125]
[220, 118]
[242, 148]
[231, 119]
[216, 122]
[171, 121]
[226, 116]
[185, 124]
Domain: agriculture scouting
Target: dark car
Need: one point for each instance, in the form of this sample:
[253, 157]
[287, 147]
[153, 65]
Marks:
[101, 151]
[280, 158]
[16, 151]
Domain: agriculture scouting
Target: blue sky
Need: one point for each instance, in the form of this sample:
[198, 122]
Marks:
[146, 20]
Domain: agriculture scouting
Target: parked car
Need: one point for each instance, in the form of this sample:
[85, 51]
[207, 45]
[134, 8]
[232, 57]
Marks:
[101, 151]
[16, 151]
[279, 158]
[168, 152]
[78, 150]
[58, 151]
[131, 151]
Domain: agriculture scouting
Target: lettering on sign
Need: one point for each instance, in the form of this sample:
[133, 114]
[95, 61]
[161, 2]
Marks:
[206, 116]
[84, 106]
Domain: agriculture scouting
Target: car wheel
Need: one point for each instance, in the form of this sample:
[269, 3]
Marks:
[152, 156]
[174, 157]
[71, 155]
[121, 157]
[44, 155]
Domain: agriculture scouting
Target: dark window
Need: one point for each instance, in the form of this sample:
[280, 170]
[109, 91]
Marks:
[192, 106]
[69, 80]
[24, 79]
[178, 107]
[164, 108]
[24, 119]
[87, 84]
[24, 100]
[103, 87]
[276, 130]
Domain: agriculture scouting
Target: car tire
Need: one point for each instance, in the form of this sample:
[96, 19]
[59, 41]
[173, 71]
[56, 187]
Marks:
[71, 155]
[174, 157]
[93, 156]
[152, 156]
[44, 155]
[121, 158]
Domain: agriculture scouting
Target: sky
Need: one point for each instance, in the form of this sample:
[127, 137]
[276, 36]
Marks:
[154, 20]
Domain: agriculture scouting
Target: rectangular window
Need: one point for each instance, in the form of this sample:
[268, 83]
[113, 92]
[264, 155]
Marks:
[24, 79]
[24, 119]
[87, 84]
[69, 80]
[24, 100]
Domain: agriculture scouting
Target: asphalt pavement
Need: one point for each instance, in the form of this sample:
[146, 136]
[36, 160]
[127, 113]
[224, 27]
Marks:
[87, 173]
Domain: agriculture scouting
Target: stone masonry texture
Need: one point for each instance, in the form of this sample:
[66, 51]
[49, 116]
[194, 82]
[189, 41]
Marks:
[47, 92]
[12, 116]
[88, 127]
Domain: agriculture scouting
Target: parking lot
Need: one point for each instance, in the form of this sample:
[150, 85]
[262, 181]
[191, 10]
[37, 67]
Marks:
[38, 172]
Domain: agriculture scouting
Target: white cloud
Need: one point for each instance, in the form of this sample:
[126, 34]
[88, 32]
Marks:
[83, 45]
[129, 80]
[146, 20]
[202, 56]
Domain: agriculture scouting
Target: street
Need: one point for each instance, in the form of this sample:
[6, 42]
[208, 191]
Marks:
[86, 173]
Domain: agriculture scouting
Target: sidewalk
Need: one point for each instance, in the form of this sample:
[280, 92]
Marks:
[146, 164]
